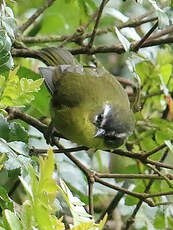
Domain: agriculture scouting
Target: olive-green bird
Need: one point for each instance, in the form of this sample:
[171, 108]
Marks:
[88, 106]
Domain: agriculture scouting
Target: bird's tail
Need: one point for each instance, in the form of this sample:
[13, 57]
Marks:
[53, 56]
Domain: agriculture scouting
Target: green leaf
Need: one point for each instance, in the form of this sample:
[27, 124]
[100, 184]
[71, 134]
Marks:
[5, 201]
[159, 221]
[165, 71]
[164, 56]
[19, 92]
[144, 70]
[18, 133]
[4, 128]
[131, 200]
[123, 40]
[76, 206]
[12, 221]
[170, 146]
[27, 215]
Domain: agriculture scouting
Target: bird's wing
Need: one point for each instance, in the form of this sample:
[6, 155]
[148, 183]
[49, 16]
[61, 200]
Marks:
[64, 83]
[48, 74]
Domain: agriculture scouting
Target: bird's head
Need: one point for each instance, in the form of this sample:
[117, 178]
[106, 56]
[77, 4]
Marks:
[114, 126]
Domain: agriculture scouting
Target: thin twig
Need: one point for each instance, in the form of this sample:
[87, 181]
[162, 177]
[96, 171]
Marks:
[114, 203]
[161, 175]
[161, 33]
[155, 150]
[145, 37]
[90, 44]
[35, 152]
[90, 194]
[35, 16]
[70, 38]
[134, 176]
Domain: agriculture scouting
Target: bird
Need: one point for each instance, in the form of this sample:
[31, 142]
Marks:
[88, 105]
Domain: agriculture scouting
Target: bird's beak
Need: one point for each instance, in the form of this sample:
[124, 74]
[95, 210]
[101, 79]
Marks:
[99, 133]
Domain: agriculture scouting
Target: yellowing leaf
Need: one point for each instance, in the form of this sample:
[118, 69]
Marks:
[17, 92]
[84, 226]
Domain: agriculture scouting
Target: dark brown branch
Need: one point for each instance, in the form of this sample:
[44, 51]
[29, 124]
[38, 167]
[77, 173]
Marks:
[161, 33]
[35, 16]
[99, 49]
[145, 37]
[14, 113]
[114, 203]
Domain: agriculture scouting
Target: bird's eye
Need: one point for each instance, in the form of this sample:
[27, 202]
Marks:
[98, 119]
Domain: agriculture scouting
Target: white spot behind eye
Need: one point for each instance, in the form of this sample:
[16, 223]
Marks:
[107, 109]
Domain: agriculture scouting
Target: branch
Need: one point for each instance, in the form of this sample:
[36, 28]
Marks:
[161, 33]
[134, 176]
[36, 152]
[131, 219]
[91, 181]
[145, 37]
[91, 175]
[119, 49]
[90, 44]
[75, 37]
[155, 150]
[35, 16]
[14, 113]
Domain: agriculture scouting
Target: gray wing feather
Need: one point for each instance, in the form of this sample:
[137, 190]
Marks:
[48, 73]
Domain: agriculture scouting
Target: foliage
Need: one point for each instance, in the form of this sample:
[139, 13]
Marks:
[7, 27]
[38, 210]
[40, 203]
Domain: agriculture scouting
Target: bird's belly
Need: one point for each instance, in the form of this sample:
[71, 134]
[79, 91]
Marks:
[75, 125]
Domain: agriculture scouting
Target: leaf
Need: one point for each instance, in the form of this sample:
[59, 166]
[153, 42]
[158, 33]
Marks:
[170, 146]
[13, 222]
[165, 71]
[7, 27]
[18, 133]
[84, 226]
[76, 206]
[123, 40]
[19, 92]
[164, 56]
[27, 215]
[40, 105]
[5, 201]
[4, 128]
[159, 221]
[154, 4]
